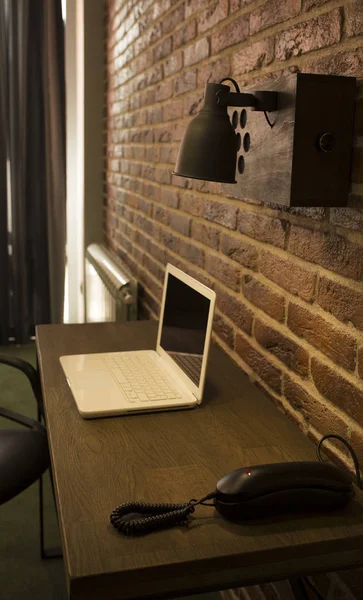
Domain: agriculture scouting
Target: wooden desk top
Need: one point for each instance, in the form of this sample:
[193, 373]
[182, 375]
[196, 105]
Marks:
[172, 457]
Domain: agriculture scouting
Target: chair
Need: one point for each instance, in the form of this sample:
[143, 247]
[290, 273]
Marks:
[24, 453]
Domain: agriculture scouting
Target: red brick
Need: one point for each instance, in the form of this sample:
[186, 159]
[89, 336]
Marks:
[185, 83]
[262, 228]
[221, 213]
[213, 71]
[349, 218]
[140, 239]
[253, 57]
[233, 33]
[338, 389]
[148, 226]
[173, 64]
[145, 19]
[192, 253]
[161, 215]
[309, 4]
[196, 52]
[185, 34]
[273, 12]
[321, 416]
[360, 362]
[193, 103]
[148, 37]
[162, 175]
[163, 49]
[356, 441]
[317, 33]
[145, 206]
[206, 187]
[153, 267]
[345, 303]
[240, 251]
[144, 136]
[170, 240]
[223, 330]
[150, 78]
[149, 307]
[180, 223]
[215, 13]
[163, 135]
[194, 205]
[154, 287]
[151, 191]
[206, 234]
[258, 363]
[194, 6]
[335, 343]
[158, 8]
[155, 251]
[146, 98]
[128, 260]
[331, 251]
[264, 297]
[173, 19]
[154, 115]
[350, 63]
[354, 18]
[224, 271]
[290, 276]
[190, 270]
[168, 154]
[284, 348]
[173, 110]
[234, 308]
[141, 63]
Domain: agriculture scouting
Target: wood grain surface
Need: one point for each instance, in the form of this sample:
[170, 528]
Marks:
[172, 457]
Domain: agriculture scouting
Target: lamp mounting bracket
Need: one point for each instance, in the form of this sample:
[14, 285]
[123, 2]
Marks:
[264, 101]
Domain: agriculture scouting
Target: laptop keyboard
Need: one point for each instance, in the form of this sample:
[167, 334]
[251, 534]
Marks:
[190, 363]
[140, 378]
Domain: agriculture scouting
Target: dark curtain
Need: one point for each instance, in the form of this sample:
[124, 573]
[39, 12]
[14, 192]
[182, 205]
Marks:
[4, 279]
[33, 87]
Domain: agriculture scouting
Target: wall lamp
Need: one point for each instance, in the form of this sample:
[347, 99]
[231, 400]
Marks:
[298, 156]
[209, 147]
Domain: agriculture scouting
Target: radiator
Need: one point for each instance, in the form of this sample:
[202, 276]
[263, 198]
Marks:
[111, 291]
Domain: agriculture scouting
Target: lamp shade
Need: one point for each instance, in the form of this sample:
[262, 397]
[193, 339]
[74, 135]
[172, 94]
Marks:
[209, 147]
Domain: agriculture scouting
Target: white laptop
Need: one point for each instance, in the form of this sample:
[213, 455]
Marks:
[170, 377]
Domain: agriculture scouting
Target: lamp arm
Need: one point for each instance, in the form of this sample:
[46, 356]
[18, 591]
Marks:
[265, 101]
[227, 98]
[239, 99]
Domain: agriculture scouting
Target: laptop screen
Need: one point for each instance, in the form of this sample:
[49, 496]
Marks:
[184, 326]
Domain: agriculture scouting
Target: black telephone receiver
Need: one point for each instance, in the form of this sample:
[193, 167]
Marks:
[282, 487]
[256, 491]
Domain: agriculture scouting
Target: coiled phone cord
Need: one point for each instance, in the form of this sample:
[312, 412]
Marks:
[158, 516]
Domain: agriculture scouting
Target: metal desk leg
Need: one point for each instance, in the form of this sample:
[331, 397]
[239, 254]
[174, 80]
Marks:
[45, 552]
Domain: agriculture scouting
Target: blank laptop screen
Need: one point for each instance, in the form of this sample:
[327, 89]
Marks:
[184, 326]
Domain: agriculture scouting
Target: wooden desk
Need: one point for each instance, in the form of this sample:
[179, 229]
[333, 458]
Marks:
[172, 457]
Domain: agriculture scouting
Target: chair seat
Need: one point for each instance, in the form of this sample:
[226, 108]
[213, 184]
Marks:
[24, 456]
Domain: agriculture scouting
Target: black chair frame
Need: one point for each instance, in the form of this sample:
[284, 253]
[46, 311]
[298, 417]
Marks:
[33, 376]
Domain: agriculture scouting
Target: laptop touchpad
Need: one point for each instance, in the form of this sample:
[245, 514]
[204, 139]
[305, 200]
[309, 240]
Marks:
[93, 381]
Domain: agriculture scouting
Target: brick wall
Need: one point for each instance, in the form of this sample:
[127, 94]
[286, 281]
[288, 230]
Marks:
[288, 281]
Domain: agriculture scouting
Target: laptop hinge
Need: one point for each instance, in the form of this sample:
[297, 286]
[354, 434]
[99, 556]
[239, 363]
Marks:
[198, 401]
